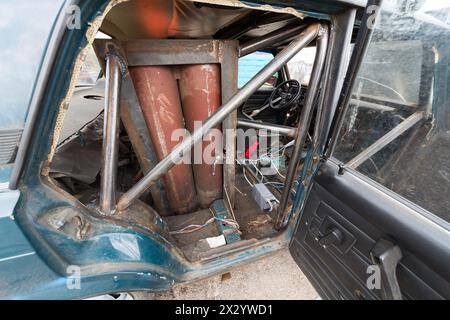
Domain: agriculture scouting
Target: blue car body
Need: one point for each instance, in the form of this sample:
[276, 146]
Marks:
[39, 54]
[35, 263]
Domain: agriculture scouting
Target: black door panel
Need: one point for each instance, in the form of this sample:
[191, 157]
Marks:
[365, 214]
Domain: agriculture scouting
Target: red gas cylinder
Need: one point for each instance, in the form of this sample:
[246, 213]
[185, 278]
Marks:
[200, 98]
[157, 90]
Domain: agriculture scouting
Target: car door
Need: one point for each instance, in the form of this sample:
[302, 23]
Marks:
[375, 224]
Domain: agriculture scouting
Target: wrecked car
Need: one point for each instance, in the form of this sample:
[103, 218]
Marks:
[145, 144]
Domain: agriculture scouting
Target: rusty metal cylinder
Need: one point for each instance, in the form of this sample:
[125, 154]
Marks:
[157, 90]
[200, 92]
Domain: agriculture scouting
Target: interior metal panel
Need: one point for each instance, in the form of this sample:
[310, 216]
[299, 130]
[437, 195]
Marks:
[161, 19]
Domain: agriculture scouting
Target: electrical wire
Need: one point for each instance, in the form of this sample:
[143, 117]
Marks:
[246, 179]
[241, 193]
[270, 155]
[229, 203]
[279, 173]
[195, 227]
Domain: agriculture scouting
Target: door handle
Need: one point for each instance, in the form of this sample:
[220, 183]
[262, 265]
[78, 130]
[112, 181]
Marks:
[386, 256]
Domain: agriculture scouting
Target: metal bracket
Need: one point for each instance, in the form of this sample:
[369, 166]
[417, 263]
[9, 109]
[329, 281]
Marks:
[221, 213]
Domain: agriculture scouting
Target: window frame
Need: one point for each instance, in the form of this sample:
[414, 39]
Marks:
[340, 116]
[392, 194]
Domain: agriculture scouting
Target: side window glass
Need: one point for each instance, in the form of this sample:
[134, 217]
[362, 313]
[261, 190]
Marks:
[300, 66]
[90, 70]
[251, 64]
[396, 130]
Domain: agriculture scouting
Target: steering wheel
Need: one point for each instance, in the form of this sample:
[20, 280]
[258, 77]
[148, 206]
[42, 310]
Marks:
[285, 94]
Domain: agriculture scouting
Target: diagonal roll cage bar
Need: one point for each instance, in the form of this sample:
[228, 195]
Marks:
[310, 33]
